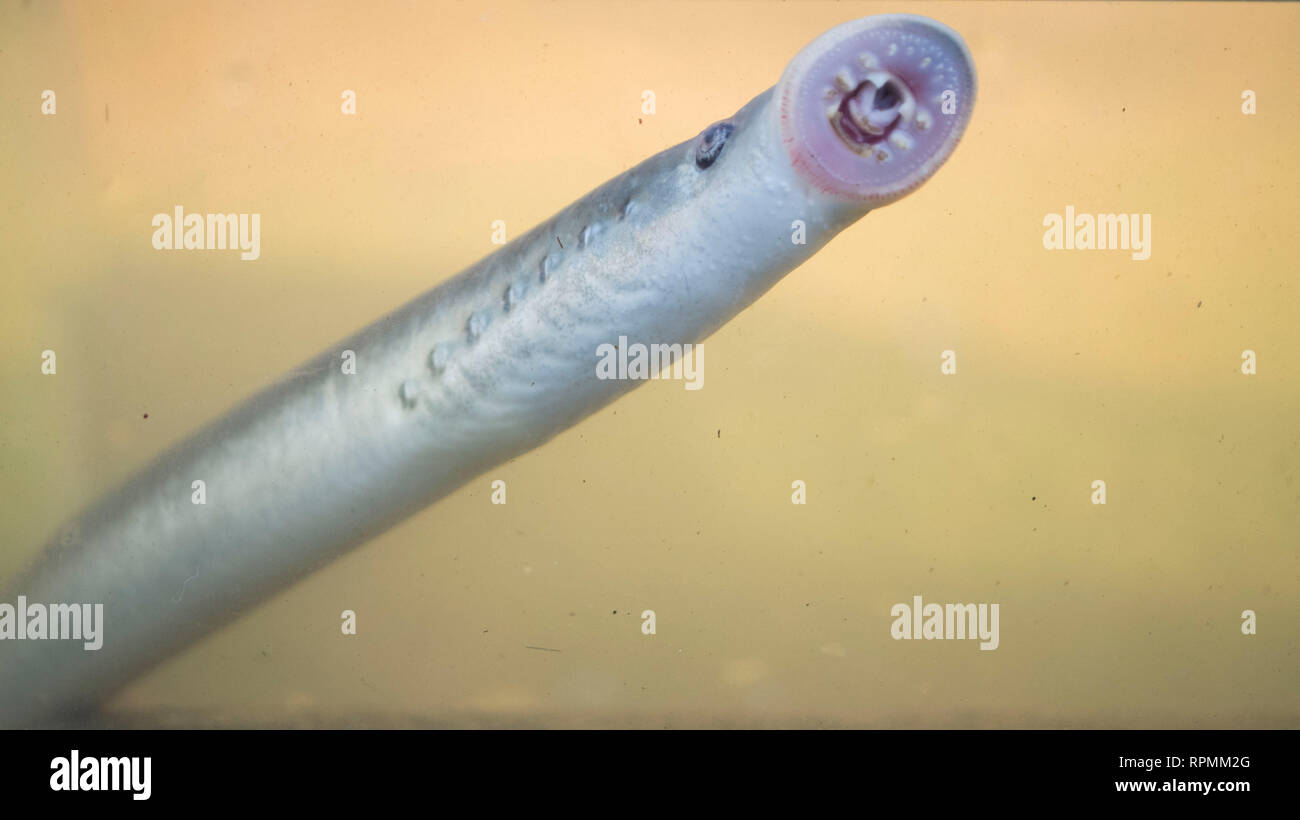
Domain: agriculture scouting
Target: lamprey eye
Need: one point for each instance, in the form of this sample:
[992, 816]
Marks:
[712, 141]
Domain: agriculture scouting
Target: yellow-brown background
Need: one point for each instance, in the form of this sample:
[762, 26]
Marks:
[1072, 366]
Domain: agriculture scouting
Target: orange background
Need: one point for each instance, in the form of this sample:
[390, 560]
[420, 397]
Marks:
[1072, 366]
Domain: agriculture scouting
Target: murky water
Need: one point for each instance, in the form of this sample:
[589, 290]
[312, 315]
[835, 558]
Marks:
[1072, 366]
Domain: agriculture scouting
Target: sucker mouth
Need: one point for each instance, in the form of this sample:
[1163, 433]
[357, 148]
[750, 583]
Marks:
[870, 109]
[868, 114]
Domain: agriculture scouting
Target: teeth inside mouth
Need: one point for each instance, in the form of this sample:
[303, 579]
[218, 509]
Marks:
[866, 113]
